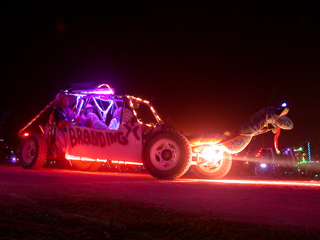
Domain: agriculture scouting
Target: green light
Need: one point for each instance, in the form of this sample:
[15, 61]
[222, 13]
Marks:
[298, 149]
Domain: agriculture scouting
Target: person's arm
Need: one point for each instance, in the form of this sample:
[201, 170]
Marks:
[62, 120]
[67, 122]
[114, 124]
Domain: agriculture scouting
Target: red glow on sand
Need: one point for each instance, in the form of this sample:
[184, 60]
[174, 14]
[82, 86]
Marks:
[258, 182]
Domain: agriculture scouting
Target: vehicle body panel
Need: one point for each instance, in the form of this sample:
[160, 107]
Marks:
[124, 144]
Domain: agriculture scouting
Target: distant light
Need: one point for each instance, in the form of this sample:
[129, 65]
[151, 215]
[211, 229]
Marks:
[263, 165]
[284, 105]
[309, 151]
[26, 134]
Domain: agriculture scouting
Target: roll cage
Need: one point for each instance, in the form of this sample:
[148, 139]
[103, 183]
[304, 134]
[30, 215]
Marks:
[105, 102]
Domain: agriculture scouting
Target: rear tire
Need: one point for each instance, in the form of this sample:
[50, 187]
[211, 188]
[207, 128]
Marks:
[33, 152]
[214, 172]
[167, 154]
[86, 166]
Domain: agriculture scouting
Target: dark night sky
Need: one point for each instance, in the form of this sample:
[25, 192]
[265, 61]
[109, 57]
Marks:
[208, 67]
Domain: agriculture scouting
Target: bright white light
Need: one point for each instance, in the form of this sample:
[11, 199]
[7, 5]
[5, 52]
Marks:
[212, 154]
[284, 105]
[263, 165]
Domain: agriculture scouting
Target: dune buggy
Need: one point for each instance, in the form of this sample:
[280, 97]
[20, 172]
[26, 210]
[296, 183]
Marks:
[145, 139]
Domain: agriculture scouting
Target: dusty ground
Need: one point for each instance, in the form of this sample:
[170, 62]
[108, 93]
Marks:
[50, 205]
[119, 220]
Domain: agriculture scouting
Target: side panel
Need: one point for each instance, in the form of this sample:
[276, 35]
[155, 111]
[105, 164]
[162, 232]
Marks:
[124, 144]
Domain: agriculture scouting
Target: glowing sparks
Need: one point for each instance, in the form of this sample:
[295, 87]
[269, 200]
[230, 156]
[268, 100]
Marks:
[206, 153]
[212, 154]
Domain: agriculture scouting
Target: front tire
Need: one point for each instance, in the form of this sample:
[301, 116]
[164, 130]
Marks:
[33, 152]
[167, 154]
[215, 171]
[87, 166]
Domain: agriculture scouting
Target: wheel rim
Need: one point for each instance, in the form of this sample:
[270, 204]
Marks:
[29, 152]
[211, 167]
[165, 154]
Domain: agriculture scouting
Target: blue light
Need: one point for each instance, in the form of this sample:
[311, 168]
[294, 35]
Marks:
[309, 151]
[284, 105]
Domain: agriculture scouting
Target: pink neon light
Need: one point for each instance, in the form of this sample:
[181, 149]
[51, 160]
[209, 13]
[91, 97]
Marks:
[104, 92]
[101, 89]
[129, 163]
[71, 157]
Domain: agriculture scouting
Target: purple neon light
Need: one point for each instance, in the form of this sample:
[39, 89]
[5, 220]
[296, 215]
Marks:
[102, 92]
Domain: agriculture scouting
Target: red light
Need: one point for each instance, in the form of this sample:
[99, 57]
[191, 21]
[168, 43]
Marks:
[26, 134]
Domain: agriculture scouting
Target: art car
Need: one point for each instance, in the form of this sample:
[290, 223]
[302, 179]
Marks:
[126, 129]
